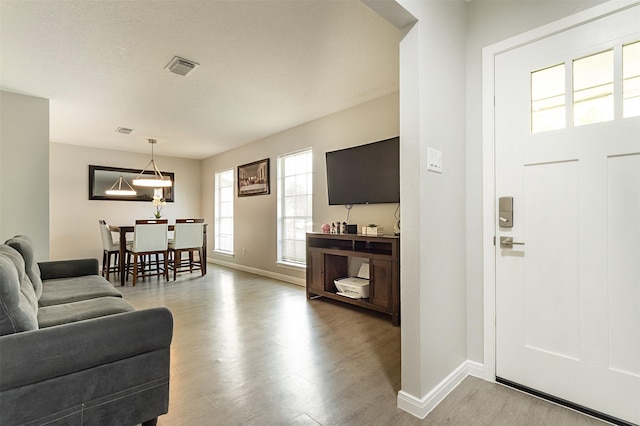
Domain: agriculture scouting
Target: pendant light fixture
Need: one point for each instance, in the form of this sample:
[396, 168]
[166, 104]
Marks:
[119, 190]
[157, 181]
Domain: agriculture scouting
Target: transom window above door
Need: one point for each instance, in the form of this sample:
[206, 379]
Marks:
[599, 82]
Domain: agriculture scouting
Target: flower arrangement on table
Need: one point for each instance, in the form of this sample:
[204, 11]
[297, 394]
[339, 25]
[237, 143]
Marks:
[158, 204]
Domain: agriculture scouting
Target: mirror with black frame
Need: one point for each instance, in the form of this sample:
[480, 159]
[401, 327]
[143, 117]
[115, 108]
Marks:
[102, 179]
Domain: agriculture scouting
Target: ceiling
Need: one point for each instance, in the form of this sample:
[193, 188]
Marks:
[265, 66]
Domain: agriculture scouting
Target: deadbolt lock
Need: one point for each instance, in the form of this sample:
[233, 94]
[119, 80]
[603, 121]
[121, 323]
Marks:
[505, 209]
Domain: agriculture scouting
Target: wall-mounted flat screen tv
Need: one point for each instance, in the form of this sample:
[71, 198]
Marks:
[365, 174]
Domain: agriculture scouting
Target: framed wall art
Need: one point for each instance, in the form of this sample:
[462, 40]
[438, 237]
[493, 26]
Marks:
[253, 178]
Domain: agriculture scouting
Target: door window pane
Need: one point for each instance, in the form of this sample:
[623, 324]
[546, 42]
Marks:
[593, 89]
[548, 99]
[631, 80]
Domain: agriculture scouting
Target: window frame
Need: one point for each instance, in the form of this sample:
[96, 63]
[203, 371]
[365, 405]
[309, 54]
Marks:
[217, 214]
[282, 259]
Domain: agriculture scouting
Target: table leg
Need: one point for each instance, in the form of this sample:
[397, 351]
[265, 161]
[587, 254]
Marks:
[121, 260]
[203, 261]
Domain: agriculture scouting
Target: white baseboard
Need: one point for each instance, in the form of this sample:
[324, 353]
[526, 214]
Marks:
[420, 407]
[262, 272]
[475, 369]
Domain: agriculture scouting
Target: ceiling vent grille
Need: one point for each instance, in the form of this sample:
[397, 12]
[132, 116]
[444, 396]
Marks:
[124, 130]
[181, 66]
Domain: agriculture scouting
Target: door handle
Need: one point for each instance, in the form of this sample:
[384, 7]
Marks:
[507, 242]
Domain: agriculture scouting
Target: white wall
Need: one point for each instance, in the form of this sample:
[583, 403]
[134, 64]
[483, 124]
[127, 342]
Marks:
[74, 218]
[24, 169]
[255, 217]
[433, 264]
[489, 22]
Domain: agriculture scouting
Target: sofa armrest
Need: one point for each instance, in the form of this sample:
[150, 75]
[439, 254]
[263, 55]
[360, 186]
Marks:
[34, 356]
[68, 268]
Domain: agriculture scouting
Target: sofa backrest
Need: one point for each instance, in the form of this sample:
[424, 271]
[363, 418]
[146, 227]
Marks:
[18, 301]
[24, 245]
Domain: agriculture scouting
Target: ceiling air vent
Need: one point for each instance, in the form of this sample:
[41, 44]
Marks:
[124, 130]
[181, 66]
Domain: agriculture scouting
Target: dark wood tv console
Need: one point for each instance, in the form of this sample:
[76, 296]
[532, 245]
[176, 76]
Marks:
[328, 259]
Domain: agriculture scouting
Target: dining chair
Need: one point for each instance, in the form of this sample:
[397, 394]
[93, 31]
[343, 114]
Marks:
[187, 238]
[150, 237]
[109, 248]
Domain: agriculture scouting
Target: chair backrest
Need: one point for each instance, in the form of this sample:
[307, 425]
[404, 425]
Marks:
[107, 238]
[151, 221]
[189, 220]
[150, 235]
[188, 235]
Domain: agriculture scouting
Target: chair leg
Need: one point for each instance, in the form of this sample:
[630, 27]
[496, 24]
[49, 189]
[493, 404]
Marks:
[177, 260]
[109, 267]
[166, 266]
[200, 260]
[108, 264]
[135, 268]
[127, 267]
[116, 268]
[104, 261]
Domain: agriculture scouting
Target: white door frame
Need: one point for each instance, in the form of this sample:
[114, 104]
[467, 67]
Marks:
[488, 161]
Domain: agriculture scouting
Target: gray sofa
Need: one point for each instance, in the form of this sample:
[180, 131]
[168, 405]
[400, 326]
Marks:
[72, 350]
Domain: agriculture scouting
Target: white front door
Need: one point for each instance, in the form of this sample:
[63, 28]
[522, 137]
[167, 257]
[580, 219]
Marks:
[567, 150]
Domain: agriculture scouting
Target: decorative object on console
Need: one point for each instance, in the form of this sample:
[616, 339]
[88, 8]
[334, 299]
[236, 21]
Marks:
[253, 178]
[396, 227]
[158, 181]
[352, 229]
[325, 228]
[372, 229]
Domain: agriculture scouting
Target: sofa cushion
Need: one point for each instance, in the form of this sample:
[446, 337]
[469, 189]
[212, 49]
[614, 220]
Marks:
[18, 303]
[24, 246]
[49, 316]
[26, 287]
[66, 290]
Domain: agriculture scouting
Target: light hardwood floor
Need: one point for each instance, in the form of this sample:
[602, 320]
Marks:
[249, 350]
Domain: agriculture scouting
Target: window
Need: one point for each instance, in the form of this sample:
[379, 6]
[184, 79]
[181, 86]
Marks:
[548, 99]
[224, 211]
[597, 82]
[631, 80]
[593, 89]
[295, 201]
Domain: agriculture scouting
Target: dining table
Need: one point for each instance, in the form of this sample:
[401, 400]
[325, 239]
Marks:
[123, 230]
